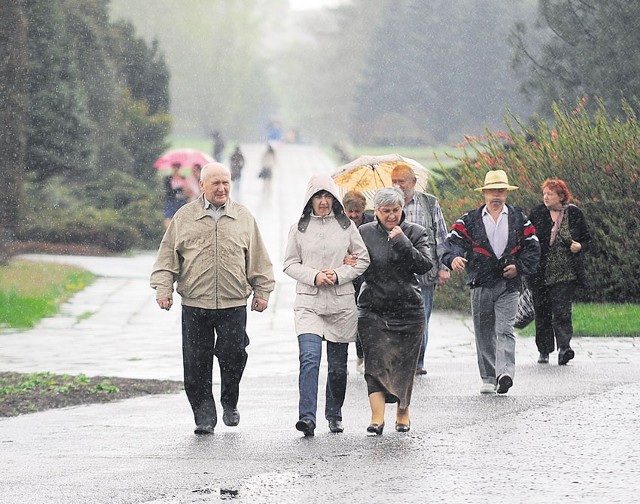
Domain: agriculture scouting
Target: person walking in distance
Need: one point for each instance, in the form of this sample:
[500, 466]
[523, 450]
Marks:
[214, 252]
[236, 162]
[424, 209]
[496, 244]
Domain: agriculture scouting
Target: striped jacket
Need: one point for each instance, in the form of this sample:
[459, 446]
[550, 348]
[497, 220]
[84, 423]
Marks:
[468, 239]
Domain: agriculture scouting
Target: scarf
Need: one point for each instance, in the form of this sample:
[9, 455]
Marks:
[556, 225]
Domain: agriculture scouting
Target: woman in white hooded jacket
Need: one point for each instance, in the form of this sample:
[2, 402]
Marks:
[325, 307]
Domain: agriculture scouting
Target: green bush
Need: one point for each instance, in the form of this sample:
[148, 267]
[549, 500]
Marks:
[114, 211]
[596, 154]
[88, 226]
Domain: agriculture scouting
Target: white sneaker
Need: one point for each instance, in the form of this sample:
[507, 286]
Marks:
[488, 388]
[360, 365]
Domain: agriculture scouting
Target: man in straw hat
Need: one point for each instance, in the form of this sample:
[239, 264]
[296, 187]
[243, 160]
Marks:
[496, 244]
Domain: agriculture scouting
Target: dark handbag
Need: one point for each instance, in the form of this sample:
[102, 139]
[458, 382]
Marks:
[526, 312]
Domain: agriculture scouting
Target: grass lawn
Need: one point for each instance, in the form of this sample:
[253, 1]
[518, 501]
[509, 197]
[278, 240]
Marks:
[30, 291]
[600, 319]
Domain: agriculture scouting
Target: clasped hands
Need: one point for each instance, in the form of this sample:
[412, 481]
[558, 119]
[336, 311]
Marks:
[326, 277]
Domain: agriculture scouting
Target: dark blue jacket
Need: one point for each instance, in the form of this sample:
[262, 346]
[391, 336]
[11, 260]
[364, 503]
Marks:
[468, 239]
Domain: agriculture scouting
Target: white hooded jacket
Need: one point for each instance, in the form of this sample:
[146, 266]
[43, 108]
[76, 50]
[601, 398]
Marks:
[316, 243]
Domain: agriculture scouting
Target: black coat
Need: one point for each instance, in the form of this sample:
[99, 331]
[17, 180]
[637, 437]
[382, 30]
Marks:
[541, 219]
[468, 239]
[390, 288]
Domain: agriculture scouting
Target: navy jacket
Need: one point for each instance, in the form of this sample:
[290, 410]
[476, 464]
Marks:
[468, 239]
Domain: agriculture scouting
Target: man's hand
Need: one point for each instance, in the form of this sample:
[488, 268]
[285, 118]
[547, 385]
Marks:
[443, 277]
[458, 264]
[510, 271]
[165, 303]
[259, 304]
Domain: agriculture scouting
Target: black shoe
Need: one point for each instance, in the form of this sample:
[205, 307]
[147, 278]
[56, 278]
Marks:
[400, 427]
[543, 358]
[306, 427]
[231, 417]
[565, 356]
[376, 428]
[335, 425]
[504, 383]
[204, 429]
[421, 371]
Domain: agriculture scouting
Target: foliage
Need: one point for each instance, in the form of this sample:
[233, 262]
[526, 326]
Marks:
[576, 48]
[30, 291]
[121, 214]
[13, 111]
[604, 319]
[596, 154]
[48, 382]
[97, 118]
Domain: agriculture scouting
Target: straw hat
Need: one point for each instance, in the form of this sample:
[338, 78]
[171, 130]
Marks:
[496, 179]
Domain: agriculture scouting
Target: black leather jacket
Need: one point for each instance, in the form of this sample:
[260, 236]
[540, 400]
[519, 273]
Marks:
[390, 287]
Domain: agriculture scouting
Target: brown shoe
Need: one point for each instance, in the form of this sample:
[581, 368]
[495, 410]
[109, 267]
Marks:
[421, 371]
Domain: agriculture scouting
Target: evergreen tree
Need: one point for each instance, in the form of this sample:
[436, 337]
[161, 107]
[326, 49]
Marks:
[590, 47]
[13, 113]
[59, 129]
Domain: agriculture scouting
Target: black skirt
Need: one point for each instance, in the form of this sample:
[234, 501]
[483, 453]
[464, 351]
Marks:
[391, 349]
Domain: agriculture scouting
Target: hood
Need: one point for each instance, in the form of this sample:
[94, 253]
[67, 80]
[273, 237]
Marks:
[322, 182]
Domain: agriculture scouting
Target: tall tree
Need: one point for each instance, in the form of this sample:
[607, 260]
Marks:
[580, 47]
[59, 130]
[13, 114]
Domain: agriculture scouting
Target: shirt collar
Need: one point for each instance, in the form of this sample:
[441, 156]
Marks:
[504, 211]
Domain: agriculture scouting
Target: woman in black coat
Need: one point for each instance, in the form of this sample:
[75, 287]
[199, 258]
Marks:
[390, 307]
[564, 238]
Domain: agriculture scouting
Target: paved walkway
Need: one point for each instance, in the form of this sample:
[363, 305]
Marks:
[560, 433]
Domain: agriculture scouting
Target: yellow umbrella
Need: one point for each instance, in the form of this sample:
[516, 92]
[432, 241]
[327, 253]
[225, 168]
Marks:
[368, 173]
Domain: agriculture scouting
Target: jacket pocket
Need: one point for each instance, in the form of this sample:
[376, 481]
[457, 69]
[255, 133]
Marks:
[302, 288]
[344, 289]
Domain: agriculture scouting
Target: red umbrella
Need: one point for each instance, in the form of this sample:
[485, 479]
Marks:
[186, 157]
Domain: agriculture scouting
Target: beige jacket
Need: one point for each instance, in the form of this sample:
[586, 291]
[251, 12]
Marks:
[316, 243]
[215, 265]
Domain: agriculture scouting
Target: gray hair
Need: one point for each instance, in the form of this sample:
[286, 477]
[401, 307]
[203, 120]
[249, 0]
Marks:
[388, 196]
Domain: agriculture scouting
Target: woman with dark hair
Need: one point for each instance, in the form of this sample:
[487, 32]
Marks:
[325, 307]
[564, 238]
[391, 311]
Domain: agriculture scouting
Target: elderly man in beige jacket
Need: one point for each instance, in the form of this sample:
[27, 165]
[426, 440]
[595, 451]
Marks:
[214, 253]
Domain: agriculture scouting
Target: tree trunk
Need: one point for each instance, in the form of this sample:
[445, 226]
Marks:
[13, 117]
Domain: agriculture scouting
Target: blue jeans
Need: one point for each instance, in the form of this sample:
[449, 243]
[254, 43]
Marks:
[427, 297]
[310, 348]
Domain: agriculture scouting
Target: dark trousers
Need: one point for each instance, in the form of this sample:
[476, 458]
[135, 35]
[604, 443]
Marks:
[206, 333]
[552, 304]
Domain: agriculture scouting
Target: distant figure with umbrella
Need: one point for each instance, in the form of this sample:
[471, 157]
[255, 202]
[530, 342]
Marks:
[175, 193]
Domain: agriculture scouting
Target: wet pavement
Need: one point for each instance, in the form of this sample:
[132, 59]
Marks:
[560, 433]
